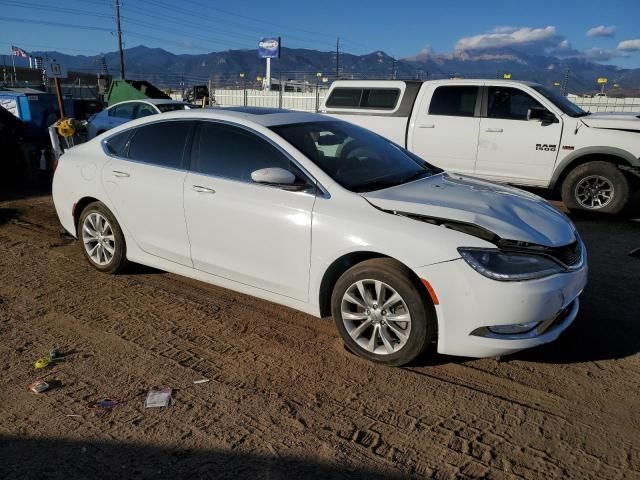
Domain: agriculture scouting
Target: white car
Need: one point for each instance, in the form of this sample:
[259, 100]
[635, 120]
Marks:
[123, 112]
[329, 218]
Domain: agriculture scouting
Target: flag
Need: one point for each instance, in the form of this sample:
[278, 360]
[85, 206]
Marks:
[18, 52]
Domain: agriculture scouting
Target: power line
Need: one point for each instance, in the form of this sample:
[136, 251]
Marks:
[54, 24]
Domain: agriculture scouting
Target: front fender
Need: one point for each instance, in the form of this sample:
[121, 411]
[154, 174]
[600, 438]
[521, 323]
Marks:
[566, 163]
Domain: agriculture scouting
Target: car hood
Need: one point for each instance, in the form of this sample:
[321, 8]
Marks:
[510, 213]
[616, 120]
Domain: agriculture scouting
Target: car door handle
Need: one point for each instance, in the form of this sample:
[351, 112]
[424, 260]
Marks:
[428, 125]
[494, 130]
[118, 173]
[200, 189]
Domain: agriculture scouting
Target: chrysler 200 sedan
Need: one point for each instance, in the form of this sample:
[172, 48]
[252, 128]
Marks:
[329, 218]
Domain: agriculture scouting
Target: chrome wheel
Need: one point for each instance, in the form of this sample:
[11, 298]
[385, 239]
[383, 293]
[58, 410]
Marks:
[594, 191]
[98, 238]
[376, 317]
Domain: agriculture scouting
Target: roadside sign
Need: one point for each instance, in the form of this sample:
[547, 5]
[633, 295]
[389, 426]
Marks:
[55, 69]
[269, 47]
[602, 80]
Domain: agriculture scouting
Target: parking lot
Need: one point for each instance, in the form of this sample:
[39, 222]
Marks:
[284, 398]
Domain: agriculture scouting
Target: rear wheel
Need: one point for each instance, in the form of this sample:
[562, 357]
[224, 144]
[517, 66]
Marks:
[381, 313]
[101, 239]
[597, 187]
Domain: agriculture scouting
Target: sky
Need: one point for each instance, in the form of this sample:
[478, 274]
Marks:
[607, 32]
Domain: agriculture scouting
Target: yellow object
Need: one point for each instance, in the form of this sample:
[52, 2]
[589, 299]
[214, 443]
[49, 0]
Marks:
[66, 128]
[506, 76]
[42, 362]
[602, 80]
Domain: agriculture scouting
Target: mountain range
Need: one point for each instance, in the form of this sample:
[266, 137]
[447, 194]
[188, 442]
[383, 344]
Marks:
[164, 68]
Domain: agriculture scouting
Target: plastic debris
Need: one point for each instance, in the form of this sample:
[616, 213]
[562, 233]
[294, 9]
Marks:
[158, 397]
[204, 380]
[104, 404]
[42, 362]
[39, 386]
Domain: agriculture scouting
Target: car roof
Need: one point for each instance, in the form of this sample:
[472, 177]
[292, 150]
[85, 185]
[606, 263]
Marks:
[267, 117]
[153, 101]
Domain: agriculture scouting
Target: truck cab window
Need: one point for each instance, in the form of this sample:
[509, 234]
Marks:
[509, 103]
[457, 101]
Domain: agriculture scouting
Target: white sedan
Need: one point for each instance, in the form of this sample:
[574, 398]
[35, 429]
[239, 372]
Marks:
[329, 218]
[123, 112]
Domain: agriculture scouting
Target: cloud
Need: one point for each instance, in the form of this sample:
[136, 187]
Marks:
[596, 54]
[602, 31]
[629, 45]
[513, 37]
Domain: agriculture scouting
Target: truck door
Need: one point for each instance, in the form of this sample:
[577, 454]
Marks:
[444, 130]
[511, 148]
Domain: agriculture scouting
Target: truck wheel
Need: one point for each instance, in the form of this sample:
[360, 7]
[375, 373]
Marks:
[381, 313]
[597, 187]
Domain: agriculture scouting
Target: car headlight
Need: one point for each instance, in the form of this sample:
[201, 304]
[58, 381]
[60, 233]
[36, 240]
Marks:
[509, 266]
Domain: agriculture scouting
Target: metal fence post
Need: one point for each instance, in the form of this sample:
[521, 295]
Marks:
[280, 93]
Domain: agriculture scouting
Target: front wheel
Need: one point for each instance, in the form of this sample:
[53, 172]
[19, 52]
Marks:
[381, 313]
[597, 187]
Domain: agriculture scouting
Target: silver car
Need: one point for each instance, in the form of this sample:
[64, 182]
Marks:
[123, 112]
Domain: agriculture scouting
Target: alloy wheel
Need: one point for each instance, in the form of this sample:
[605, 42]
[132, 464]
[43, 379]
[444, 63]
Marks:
[594, 192]
[99, 240]
[376, 316]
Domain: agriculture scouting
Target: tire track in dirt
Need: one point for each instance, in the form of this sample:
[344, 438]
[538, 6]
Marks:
[280, 380]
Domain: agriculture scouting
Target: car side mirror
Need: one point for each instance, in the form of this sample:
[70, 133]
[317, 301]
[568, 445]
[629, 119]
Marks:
[541, 114]
[273, 176]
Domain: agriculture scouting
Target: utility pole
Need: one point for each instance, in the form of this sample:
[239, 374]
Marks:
[120, 39]
[338, 59]
[566, 81]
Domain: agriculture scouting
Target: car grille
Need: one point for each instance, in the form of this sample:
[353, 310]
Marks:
[569, 255]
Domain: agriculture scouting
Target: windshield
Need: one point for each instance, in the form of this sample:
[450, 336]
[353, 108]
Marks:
[564, 104]
[170, 107]
[357, 159]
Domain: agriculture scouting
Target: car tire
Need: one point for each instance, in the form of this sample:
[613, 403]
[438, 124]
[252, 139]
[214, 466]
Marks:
[596, 187]
[101, 239]
[377, 332]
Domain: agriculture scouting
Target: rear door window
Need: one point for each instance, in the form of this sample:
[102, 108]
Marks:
[144, 110]
[456, 101]
[123, 111]
[117, 144]
[160, 144]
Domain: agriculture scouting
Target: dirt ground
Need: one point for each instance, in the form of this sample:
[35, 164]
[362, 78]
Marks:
[285, 400]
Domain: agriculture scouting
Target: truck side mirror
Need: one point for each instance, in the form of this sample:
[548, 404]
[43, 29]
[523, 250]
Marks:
[541, 114]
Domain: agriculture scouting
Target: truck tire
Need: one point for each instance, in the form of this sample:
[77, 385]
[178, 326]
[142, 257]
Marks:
[596, 187]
